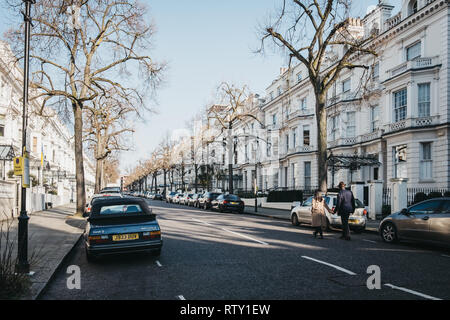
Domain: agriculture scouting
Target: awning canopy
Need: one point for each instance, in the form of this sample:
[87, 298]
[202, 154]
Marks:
[6, 152]
[352, 162]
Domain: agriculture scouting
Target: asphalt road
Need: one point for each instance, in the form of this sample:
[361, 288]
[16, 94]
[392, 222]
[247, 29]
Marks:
[222, 256]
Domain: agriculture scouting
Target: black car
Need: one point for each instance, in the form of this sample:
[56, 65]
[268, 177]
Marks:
[207, 198]
[157, 196]
[121, 225]
[228, 202]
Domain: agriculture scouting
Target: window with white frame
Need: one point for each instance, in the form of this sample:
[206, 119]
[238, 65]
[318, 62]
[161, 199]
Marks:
[376, 71]
[400, 105]
[279, 90]
[303, 104]
[299, 76]
[333, 128]
[351, 124]
[307, 174]
[424, 99]
[426, 162]
[413, 51]
[374, 118]
[287, 142]
[271, 96]
[346, 85]
[399, 160]
[306, 138]
[294, 137]
[274, 119]
[2, 125]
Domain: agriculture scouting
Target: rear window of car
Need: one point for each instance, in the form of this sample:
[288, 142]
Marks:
[233, 198]
[120, 209]
[359, 204]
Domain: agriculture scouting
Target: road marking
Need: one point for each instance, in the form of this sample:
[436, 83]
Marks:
[235, 233]
[158, 263]
[181, 297]
[369, 241]
[412, 292]
[331, 265]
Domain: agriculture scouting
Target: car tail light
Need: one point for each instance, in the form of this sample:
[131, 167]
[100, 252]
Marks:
[88, 209]
[98, 239]
[365, 212]
[333, 209]
[225, 201]
[151, 234]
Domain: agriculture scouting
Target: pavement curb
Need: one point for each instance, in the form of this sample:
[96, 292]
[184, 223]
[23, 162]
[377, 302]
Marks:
[58, 267]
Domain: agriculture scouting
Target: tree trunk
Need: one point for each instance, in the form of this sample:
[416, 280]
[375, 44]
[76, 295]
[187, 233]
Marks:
[321, 118]
[98, 175]
[196, 175]
[165, 183]
[79, 167]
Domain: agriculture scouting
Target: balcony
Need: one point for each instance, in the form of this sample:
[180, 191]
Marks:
[343, 142]
[418, 63]
[412, 123]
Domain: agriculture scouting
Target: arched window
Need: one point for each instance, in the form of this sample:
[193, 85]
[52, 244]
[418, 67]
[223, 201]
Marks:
[412, 7]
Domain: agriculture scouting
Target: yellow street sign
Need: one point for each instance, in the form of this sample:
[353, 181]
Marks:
[18, 166]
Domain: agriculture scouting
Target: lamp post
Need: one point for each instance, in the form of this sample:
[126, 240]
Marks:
[23, 265]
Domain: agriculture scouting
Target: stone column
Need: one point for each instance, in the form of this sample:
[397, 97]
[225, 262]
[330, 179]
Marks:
[375, 199]
[399, 198]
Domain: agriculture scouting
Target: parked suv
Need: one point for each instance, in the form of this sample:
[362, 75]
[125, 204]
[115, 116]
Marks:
[205, 201]
[357, 220]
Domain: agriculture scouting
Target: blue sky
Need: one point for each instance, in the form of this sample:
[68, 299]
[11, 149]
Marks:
[204, 43]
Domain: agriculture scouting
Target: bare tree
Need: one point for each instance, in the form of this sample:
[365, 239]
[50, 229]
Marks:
[83, 48]
[234, 104]
[319, 34]
[107, 124]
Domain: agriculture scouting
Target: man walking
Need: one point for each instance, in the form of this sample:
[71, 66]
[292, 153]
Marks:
[344, 207]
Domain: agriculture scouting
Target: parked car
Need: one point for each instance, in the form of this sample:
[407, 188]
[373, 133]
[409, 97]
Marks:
[428, 221]
[185, 198]
[205, 200]
[176, 198]
[357, 220]
[149, 195]
[120, 225]
[87, 209]
[169, 196]
[110, 189]
[193, 200]
[157, 196]
[228, 202]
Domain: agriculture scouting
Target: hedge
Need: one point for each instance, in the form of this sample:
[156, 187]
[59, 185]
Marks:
[285, 196]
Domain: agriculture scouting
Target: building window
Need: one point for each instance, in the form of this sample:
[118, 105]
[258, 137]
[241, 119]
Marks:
[294, 137]
[426, 162]
[2, 125]
[413, 51]
[374, 118]
[424, 99]
[351, 124]
[399, 157]
[412, 8]
[279, 91]
[346, 85]
[306, 138]
[303, 104]
[271, 96]
[307, 175]
[400, 98]
[274, 119]
[34, 144]
[287, 143]
[376, 71]
[246, 153]
[333, 128]
[299, 77]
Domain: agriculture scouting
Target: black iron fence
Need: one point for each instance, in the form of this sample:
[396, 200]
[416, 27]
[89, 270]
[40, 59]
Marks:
[415, 195]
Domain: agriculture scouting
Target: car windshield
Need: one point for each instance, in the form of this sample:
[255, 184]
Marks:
[359, 204]
[214, 195]
[308, 202]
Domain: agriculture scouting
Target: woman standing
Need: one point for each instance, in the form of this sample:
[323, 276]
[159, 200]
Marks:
[319, 219]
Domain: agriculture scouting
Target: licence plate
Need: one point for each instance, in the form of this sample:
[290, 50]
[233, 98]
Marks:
[122, 237]
[234, 203]
[353, 220]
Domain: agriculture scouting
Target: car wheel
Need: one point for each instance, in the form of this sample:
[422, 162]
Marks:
[89, 257]
[389, 233]
[220, 209]
[294, 220]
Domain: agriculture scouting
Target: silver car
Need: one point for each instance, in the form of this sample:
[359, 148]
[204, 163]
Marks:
[428, 220]
[301, 213]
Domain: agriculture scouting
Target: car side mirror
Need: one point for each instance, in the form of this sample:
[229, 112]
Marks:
[405, 212]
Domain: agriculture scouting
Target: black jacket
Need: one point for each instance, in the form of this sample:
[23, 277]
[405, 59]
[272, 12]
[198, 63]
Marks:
[345, 202]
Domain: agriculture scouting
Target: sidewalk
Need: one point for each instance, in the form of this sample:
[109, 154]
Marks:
[51, 236]
[372, 225]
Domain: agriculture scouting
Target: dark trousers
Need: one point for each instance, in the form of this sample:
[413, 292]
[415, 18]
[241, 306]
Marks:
[318, 230]
[345, 227]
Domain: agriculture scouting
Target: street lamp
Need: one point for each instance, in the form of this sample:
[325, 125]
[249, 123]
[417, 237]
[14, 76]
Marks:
[23, 265]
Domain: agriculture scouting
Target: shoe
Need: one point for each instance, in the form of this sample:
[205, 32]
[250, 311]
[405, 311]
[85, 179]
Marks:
[321, 236]
[348, 238]
[315, 234]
